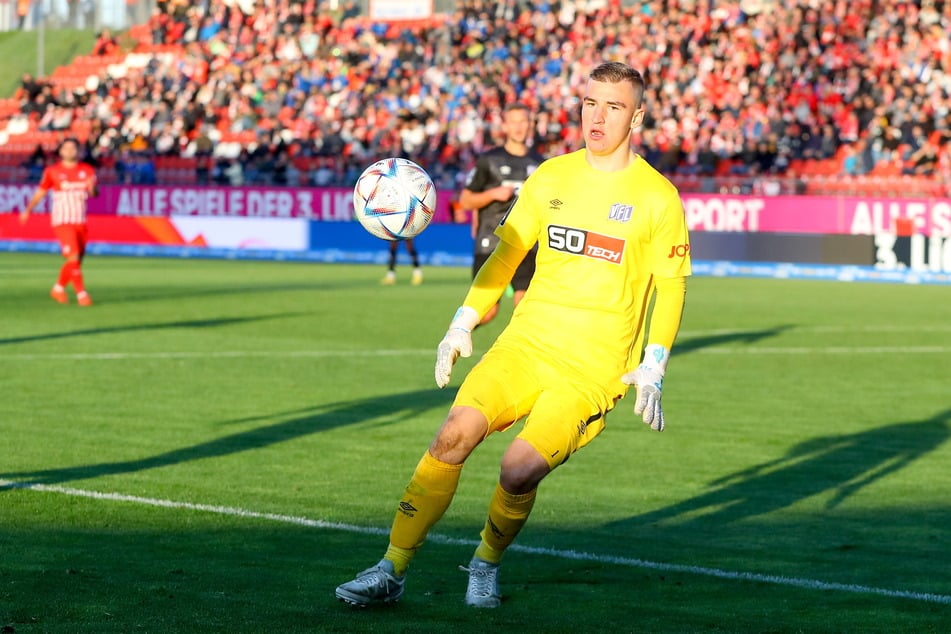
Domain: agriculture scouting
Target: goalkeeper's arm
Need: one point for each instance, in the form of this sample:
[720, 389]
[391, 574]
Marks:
[648, 378]
[668, 311]
[485, 292]
[493, 277]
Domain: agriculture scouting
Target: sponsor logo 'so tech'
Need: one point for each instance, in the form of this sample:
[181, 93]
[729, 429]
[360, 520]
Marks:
[586, 243]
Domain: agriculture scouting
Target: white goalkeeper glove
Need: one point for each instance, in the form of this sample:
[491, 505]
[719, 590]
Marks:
[648, 380]
[457, 343]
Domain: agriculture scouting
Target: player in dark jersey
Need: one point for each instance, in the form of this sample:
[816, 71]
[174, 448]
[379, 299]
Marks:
[492, 188]
[390, 277]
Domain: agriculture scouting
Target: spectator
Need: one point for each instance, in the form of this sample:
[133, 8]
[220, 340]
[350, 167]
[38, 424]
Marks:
[815, 77]
[203, 167]
[23, 10]
[30, 88]
[323, 175]
[35, 164]
[145, 169]
[828, 144]
[105, 44]
[233, 172]
[89, 8]
[293, 175]
[924, 160]
[855, 162]
[73, 10]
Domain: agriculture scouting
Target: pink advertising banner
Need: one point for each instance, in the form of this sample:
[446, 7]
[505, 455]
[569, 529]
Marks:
[750, 214]
[332, 204]
[817, 214]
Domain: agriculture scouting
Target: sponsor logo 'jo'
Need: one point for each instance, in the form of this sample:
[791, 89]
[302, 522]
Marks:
[679, 251]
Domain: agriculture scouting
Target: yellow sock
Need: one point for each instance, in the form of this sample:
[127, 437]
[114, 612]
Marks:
[427, 497]
[400, 558]
[507, 515]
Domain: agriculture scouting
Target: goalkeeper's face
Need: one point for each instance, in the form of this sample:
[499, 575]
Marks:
[609, 113]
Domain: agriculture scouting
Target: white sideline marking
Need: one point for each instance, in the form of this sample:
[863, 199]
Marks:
[216, 354]
[316, 354]
[822, 329]
[796, 582]
[827, 350]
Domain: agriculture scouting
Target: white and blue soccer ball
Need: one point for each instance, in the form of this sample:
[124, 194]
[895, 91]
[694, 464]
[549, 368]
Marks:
[394, 199]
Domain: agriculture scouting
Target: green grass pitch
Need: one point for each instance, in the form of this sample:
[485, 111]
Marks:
[215, 445]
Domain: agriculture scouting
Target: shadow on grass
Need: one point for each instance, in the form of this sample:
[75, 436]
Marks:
[114, 296]
[838, 465]
[165, 293]
[115, 566]
[389, 409]
[692, 344]
[191, 323]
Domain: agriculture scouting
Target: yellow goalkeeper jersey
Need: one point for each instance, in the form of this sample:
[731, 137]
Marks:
[603, 239]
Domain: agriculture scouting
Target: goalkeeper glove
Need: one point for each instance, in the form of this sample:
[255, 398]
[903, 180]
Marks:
[457, 343]
[648, 380]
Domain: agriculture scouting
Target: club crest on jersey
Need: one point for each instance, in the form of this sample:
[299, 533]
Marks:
[585, 243]
[620, 212]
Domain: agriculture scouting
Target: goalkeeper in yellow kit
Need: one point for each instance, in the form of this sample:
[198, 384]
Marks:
[610, 232]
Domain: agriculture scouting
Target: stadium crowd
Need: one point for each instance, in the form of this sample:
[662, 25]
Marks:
[292, 92]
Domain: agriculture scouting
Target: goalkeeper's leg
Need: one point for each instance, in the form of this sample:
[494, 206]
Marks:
[433, 485]
[522, 470]
[499, 389]
[434, 482]
[562, 421]
[426, 498]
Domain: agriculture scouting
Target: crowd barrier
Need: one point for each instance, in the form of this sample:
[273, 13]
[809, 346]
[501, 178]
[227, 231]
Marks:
[857, 238]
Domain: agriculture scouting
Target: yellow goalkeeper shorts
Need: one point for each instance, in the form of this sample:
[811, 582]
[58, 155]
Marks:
[563, 415]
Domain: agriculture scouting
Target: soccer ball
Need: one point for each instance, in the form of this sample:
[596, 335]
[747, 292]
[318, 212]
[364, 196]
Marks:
[394, 199]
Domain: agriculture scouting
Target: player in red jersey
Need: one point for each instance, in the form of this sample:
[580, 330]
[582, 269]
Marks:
[72, 183]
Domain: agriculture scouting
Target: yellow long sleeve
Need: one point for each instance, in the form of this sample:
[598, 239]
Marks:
[668, 311]
[493, 277]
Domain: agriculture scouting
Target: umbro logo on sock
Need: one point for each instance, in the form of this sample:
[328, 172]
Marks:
[408, 509]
